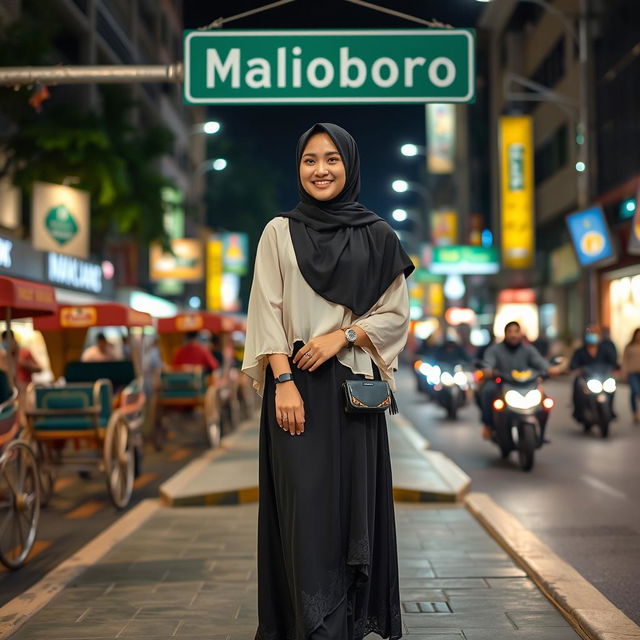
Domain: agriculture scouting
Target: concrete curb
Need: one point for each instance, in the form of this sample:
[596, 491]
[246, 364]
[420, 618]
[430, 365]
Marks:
[455, 483]
[229, 474]
[17, 611]
[592, 615]
[173, 491]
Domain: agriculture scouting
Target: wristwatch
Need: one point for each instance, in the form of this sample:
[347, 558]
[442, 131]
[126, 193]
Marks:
[351, 336]
[284, 377]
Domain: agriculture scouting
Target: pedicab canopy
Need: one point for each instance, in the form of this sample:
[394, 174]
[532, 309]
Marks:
[65, 333]
[22, 299]
[199, 321]
[171, 329]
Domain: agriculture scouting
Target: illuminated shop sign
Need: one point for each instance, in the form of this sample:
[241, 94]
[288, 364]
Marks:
[77, 274]
[6, 247]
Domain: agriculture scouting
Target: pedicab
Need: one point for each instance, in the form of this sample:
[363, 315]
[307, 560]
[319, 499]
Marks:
[93, 415]
[19, 485]
[188, 387]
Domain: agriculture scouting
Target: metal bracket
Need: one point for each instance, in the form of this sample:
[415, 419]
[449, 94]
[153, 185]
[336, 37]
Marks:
[435, 24]
[540, 93]
[220, 22]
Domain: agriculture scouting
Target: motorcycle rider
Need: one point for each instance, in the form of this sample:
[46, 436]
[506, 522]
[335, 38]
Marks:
[592, 353]
[450, 352]
[511, 354]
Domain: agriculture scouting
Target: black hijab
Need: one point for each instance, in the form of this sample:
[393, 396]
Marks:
[346, 253]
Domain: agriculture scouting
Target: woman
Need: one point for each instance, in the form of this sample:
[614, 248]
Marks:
[631, 370]
[327, 559]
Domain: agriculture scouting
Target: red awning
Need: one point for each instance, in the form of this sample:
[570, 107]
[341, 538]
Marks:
[25, 299]
[197, 321]
[107, 314]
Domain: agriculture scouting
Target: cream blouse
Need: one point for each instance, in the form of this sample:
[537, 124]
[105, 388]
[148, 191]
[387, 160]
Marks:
[284, 309]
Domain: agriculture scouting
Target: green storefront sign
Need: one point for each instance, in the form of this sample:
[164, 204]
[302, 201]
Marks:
[465, 259]
[331, 67]
[61, 224]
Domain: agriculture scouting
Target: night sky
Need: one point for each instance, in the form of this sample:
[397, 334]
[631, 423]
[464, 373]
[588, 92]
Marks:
[271, 132]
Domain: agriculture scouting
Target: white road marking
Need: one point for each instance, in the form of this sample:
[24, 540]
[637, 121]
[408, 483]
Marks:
[604, 487]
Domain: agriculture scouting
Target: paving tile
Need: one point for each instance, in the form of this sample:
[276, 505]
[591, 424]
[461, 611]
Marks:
[191, 573]
[536, 619]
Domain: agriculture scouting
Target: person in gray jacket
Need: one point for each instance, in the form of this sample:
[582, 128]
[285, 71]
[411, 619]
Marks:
[511, 354]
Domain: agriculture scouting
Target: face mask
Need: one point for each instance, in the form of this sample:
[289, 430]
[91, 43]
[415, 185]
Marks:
[591, 338]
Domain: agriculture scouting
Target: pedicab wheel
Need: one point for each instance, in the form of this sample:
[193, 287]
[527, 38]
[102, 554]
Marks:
[158, 435]
[46, 475]
[213, 434]
[119, 460]
[19, 504]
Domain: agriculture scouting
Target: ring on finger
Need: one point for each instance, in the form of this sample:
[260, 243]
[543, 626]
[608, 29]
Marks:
[308, 354]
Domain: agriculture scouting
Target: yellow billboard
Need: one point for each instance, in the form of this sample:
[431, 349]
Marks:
[516, 187]
[185, 263]
[214, 273]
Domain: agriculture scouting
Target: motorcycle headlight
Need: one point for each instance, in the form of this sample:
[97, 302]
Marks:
[609, 385]
[424, 368]
[433, 376]
[446, 378]
[595, 386]
[460, 378]
[516, 400]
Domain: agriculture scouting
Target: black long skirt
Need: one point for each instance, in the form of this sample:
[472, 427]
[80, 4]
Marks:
[326, 528]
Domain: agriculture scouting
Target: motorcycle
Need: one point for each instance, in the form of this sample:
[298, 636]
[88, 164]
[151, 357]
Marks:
[446, 383]
[520, 415]
[594, 406]
[422, 370]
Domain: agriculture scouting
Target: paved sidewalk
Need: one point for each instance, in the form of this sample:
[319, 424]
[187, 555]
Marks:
[229, 475]
[190, 573]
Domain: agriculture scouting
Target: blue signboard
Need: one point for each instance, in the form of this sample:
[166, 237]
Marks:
[590, 236]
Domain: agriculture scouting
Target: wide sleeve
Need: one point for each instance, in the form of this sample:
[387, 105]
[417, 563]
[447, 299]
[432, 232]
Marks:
[387, 324]
[265, 331]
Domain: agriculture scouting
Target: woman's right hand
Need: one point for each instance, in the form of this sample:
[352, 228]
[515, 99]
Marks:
[289, 408]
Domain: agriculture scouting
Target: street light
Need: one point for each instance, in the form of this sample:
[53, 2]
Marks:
[217, 164]
[400, 186]
[409, 150]
[211, 127]
[399, 215]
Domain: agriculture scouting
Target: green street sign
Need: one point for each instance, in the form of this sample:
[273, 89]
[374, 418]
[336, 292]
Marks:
[329, 67]
[465, 259]
[424, 275]
[61, 224]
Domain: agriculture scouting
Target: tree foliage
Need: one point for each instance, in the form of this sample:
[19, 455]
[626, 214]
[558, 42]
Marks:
[101, 152]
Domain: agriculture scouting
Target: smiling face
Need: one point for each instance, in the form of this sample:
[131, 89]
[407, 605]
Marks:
[322, 171]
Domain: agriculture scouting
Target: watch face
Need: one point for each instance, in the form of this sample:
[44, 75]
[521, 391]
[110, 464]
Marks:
[351, 335]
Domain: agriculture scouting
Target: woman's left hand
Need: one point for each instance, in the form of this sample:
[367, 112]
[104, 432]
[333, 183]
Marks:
[321, 349]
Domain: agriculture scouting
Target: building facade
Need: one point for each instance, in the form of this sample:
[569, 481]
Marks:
[536, 70]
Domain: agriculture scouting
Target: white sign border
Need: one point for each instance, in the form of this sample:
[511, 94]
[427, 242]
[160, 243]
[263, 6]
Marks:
[330, 32]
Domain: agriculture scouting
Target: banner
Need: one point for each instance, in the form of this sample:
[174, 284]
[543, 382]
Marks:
[214, 273]
[60, 219]
[10, 203]
[590, 236]
[235, 253]
[186, 262]
[441, 130]
[444, 228]
[517, 188]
